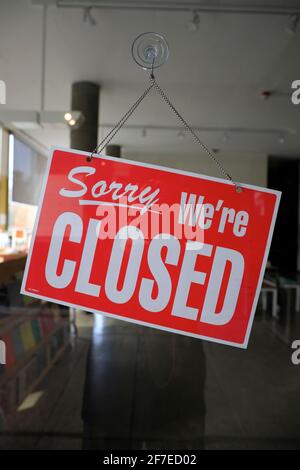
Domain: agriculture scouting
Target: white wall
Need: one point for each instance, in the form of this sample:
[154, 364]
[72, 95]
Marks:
[250, 169]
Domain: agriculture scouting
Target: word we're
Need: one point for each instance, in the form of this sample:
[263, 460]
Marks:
[203, 214]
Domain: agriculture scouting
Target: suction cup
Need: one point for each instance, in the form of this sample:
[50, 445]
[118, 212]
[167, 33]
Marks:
[150, 50]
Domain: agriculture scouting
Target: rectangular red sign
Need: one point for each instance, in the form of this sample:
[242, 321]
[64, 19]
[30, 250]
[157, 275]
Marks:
[159, 247]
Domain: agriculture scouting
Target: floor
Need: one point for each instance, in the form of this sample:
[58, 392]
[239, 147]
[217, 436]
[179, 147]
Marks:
[251, 397]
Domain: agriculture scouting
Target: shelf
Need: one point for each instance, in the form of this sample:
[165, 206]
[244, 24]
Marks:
[30, 353]
[18, 315]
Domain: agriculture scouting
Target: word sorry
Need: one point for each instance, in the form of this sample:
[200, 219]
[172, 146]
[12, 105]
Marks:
[102, 188]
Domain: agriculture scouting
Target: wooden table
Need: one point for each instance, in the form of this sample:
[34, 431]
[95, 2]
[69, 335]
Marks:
[10, 264]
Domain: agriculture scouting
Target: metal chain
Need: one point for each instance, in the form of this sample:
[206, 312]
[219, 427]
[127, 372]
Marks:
[124, 119]
[189, 129]
[107, 139]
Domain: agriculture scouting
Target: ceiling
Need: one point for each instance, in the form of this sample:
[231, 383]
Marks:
[214, 76]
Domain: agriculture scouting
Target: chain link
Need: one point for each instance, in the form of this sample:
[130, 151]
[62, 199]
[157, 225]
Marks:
[189, 128]
[108, 138]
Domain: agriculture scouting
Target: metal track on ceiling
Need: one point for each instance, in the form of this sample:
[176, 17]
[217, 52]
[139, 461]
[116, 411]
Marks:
[183, 6]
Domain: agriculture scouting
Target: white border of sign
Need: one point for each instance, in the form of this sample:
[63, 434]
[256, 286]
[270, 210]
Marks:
[168, 170]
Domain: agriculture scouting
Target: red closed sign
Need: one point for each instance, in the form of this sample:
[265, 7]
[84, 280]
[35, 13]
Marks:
[159, 247]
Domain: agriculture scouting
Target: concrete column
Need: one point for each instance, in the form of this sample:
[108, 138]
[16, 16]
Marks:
[85, 98]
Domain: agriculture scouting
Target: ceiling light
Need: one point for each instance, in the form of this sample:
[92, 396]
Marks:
[291, 27]
[193, 24]
[281, 139]
[68, 117]
[74, 119]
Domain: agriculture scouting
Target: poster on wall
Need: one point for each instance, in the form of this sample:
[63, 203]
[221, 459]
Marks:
[169, 249]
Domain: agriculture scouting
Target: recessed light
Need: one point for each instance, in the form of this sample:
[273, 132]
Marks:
[68, 116]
